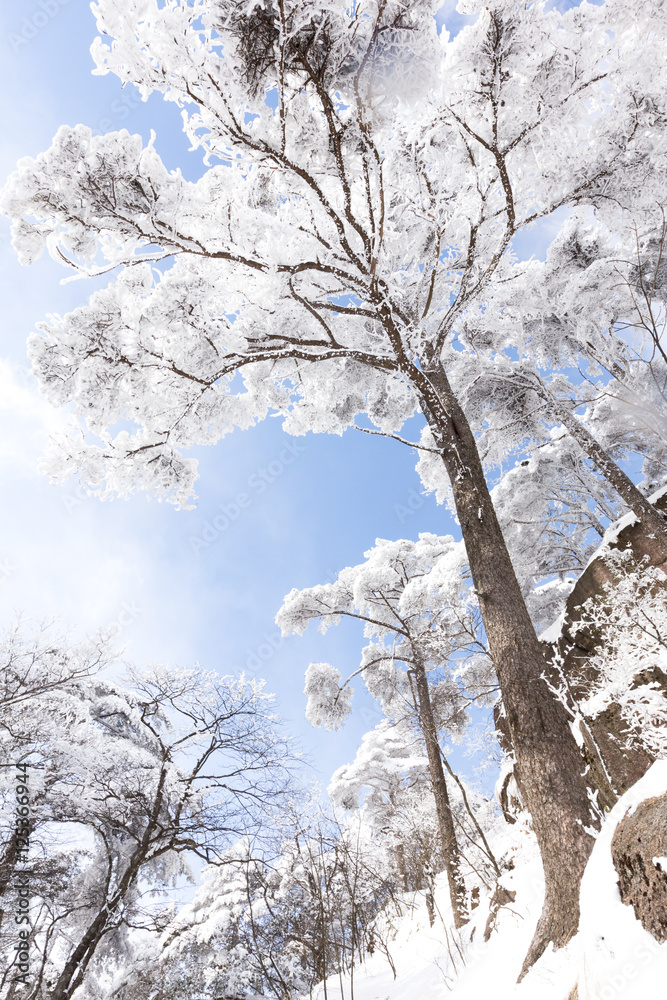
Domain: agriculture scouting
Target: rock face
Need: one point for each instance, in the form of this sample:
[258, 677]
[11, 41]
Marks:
[639, 853]
[615, 757]
[616, 761]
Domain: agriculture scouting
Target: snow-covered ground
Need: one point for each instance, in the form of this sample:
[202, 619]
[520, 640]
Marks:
[611, 958]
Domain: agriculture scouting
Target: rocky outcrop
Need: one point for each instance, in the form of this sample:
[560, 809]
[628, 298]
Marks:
[613, 753]
[639, 853]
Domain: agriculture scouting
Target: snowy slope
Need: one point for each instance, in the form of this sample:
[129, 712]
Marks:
[612, 956]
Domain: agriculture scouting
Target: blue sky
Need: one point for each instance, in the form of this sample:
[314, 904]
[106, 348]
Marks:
[180, 588]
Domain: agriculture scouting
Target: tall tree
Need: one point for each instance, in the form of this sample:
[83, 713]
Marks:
[368, 179]
[418, 611]
[571, 332]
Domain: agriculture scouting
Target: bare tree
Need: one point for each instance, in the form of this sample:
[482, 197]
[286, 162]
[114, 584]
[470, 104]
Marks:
[135, 780]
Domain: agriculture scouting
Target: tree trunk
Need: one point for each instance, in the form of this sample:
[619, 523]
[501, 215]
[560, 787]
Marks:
[654, 538]
[450, 849]
[400, 864]
[549, 767]
[74, 969]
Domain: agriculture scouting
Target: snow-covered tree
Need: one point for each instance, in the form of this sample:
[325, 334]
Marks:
[365, 180]
[387, 780]
[37, 660]
[126, 782]
[420, 614]
[37, 665]
[570, 333]
[279, 922]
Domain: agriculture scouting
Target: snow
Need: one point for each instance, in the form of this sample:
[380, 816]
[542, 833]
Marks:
[618, 958]
[432, 962]
[552, 633]
[614, 530]
[654, 497]
[612, 956]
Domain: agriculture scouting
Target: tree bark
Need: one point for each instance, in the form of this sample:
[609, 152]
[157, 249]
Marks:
[450, 849]
[549, 766]
[400, 864]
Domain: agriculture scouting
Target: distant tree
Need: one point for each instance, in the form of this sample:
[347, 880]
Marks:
[37, 660]
[36, 665]
[420, 614]
[283, 920]
[629, 621]
[387, 781]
